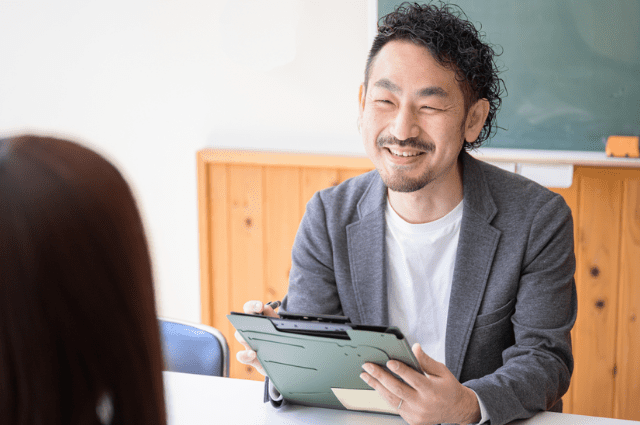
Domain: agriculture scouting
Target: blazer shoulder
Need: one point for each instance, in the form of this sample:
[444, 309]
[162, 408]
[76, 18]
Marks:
[342, 203]
[349, 192]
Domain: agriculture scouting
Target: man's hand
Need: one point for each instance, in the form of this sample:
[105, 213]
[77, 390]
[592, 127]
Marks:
[430, 398]
[249, 356]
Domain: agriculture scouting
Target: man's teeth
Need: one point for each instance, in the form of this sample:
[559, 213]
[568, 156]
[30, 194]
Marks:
[397, 153]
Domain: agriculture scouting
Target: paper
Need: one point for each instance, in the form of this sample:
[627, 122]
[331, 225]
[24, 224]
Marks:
[368, 400]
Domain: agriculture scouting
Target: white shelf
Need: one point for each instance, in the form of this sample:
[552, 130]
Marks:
[534, 156]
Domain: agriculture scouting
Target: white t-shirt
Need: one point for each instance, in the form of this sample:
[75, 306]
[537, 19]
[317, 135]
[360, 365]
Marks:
[420, 262]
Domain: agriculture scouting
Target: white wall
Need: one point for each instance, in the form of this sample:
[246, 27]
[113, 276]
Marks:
[150, 82]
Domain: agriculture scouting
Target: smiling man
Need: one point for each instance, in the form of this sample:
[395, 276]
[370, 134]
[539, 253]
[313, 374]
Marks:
[414, 121]
[474, 264]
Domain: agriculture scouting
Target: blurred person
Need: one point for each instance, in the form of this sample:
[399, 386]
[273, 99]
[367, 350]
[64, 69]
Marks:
[79, 336]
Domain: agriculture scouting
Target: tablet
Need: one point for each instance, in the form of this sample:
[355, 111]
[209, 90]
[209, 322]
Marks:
[317, 360]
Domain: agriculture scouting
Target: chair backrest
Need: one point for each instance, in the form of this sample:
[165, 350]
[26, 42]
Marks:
[193, 348]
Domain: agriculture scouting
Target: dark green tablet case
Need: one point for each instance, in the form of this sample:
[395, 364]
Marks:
[304, 367]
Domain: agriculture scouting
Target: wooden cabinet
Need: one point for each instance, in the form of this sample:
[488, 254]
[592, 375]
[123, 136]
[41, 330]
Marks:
[606, 338]
[250, 205]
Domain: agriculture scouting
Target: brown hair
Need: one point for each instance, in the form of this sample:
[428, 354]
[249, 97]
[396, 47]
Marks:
[77, 311]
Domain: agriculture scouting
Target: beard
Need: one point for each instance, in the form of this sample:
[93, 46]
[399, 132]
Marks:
[400, 181]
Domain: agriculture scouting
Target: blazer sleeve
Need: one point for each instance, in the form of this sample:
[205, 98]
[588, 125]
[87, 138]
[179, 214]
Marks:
[537, 368]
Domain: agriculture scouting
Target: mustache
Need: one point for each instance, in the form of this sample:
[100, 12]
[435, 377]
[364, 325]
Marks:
[412, 142]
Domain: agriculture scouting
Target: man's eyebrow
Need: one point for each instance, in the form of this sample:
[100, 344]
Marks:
[432, 91]
[387, 84]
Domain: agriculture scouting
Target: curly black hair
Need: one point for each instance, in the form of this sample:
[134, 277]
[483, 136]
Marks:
[454, 42]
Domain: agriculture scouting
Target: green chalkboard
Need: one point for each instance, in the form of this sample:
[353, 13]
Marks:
[571, 68]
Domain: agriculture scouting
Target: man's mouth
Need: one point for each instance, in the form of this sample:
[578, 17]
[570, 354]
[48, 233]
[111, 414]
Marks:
[404, 153]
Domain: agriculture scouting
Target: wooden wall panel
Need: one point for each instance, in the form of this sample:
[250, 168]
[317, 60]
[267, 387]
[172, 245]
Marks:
[220, 247]
[627, 389]
[204, 240]
[246, 258]
[282, 214]
[598, 240]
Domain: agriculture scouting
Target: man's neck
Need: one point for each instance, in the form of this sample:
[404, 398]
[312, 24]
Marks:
[432, 202]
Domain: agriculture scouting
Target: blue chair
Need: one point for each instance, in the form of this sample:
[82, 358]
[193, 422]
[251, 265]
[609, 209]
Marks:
[193, 348]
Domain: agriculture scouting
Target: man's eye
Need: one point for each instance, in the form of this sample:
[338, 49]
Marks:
[385, 101]
[430, 108]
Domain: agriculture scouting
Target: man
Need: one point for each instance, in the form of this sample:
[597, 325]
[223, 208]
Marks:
[474, 264]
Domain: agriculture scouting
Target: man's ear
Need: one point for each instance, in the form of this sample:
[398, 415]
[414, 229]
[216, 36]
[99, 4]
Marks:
[476, 117]
[361, 97]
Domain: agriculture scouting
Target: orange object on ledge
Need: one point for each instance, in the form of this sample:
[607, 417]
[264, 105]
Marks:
[623, 146]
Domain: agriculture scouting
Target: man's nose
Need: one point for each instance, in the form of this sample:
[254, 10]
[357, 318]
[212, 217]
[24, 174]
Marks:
[405, 124]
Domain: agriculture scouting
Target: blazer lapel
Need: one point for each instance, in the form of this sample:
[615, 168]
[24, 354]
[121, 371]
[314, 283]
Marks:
[476, 249]
[366, 239]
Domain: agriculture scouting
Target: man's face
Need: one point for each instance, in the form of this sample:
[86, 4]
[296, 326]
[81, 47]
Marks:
[412, 117]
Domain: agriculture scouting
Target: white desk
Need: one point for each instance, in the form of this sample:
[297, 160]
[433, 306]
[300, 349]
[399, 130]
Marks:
[196, 399]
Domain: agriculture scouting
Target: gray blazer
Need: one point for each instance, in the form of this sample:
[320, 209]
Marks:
[513, 300]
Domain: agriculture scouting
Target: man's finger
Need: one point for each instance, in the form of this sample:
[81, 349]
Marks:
[270, 312]
[428, 365]
[413, 378]
[246, 356]
[253, 307]
[390, 382]
[249, 357]
[392, 399]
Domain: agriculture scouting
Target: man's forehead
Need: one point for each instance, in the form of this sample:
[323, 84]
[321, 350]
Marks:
[403, 66]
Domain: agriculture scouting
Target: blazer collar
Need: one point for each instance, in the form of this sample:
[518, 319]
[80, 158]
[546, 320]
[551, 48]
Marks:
[374, 198]
[367, 255]
[477, 195]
